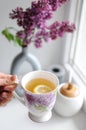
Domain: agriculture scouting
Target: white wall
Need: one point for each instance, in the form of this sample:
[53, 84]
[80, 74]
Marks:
[50, 53]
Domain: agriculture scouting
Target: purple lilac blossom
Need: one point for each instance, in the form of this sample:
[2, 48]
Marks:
[33, 21]
[56, 3]
[38, 42]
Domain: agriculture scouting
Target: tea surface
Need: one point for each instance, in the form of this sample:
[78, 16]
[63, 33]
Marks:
[40, 85]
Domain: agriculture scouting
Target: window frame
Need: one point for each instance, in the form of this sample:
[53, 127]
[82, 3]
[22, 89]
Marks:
[78, 77]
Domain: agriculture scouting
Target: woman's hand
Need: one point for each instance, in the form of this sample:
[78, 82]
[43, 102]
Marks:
[8, 84]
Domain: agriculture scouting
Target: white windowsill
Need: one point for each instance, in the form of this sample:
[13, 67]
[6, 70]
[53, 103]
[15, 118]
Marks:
[14, 116]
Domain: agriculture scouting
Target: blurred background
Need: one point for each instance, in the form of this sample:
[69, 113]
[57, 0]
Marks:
[55, 52]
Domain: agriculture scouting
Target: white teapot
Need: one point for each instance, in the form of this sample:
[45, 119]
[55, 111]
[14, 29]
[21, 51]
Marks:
[69, 99]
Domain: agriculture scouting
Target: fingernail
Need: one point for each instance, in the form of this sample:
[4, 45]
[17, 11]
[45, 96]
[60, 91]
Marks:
[15, 79]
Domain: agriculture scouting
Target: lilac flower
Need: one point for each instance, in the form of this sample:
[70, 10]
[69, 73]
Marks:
[56, 3]
[27, 41]
[38, 42]
[65, 27]
[58, 29]
[43, 34]
[34, 22]
[17, 13]
[21, 34]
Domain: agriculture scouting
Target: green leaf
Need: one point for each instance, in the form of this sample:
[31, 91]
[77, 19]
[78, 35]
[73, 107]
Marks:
[8, 35]
[19, 41]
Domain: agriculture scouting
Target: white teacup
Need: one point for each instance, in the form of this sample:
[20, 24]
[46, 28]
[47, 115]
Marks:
[40, 105]
[68, 106]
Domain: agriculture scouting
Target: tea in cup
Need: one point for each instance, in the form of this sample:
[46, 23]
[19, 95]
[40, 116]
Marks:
[40, 86]
[40, 89]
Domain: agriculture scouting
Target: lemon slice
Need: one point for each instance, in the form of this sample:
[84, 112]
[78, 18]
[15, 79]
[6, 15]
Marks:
[42, 89]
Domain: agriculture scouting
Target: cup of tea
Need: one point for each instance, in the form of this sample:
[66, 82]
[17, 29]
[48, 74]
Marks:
[40, 89]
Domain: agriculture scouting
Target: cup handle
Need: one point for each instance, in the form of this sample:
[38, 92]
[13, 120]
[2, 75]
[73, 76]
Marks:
[16, 95]
[21, 99]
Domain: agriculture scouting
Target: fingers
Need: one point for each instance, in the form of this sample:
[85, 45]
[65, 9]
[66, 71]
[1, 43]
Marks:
[5, 97]
[10, 87]
[6, 93]
[8, 84]
[1, 88]
[3, 75]
[8, 80]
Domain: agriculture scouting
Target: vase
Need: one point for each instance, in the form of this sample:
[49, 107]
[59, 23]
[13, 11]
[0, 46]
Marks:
[18, 61]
